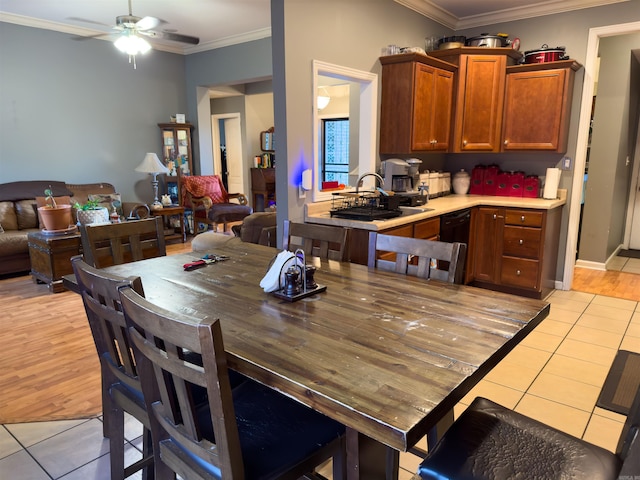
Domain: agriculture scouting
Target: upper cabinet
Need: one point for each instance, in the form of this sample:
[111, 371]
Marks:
[417, 96]
[479, 96]
[499, 106]
[538, 106]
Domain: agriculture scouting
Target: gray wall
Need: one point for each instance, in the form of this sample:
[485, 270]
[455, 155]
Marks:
[76, 111]
[607, 191]
[347, 33]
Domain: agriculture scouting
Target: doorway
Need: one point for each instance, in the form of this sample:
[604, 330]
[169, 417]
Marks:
[227, 150]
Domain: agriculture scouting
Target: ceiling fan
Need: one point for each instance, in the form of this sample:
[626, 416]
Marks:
[130, 30]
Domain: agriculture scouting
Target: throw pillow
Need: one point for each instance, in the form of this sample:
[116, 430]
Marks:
[108, 200]
[1, 229]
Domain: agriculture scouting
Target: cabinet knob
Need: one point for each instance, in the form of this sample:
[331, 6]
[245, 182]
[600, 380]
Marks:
[434, 142]
[518, 272]
[521, 242]
[522, 218]
[506, 142]
[495, 216]
[464, 143]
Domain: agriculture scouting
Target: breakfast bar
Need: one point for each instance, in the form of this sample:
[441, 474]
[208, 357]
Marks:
[388, 359]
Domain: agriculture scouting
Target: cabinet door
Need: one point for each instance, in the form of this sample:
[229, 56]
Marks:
[534, 110]
[480, 100]
[433, 99]
[487, 244]
[442, 110]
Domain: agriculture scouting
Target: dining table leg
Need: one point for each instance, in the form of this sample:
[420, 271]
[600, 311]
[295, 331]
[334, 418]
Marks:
[370, 459]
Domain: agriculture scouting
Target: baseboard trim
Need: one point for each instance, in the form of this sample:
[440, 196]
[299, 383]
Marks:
[591, 265]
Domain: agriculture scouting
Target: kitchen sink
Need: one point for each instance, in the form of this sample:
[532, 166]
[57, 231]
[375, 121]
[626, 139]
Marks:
[406, 211]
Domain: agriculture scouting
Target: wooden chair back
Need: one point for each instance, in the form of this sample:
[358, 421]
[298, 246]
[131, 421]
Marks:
[323, 241]
[109, 244]
[418, 257]
[160, 341]
[121, 389]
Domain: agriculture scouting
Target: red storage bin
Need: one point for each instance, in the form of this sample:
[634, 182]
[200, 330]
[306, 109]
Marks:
[502, 184]
[491, 180]
[531, 186]
[516, 184]
[477, 180]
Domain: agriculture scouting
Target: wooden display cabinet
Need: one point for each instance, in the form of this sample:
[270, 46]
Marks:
[176, 153]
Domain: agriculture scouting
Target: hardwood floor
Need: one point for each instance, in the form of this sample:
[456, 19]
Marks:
[50, 369]
[609, 283]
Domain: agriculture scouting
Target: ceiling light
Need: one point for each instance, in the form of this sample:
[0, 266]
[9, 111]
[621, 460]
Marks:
[323, 99]
[132, 45]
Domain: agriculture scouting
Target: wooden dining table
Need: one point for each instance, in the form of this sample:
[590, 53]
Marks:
[385, 354]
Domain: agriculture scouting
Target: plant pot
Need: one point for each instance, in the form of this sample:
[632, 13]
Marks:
[96, 215]
[56, 218]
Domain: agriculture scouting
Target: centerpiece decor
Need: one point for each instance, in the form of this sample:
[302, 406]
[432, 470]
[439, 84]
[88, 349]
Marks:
[55, 217]
[91, 212]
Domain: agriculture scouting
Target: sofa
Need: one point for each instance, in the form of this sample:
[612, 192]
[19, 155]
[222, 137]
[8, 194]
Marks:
[18, 215]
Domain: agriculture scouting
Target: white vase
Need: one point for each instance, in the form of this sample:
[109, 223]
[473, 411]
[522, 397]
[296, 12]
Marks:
[98, 215]
[461, 182]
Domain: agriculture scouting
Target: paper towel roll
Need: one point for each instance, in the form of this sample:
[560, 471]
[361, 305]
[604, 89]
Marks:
[551, 183]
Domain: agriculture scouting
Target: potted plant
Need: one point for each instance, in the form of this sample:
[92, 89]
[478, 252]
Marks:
[54, 216]
[91, 212]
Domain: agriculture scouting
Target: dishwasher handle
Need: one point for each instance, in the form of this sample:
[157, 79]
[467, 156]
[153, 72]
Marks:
[456, 218]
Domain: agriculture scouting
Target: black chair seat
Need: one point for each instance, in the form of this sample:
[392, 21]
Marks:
[276, 433]
[489, 441]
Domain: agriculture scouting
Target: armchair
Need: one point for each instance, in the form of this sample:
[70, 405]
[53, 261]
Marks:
[209, 201]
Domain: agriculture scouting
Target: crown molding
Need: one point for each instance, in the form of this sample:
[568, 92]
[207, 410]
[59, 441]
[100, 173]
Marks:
[156, 43]
[442, 16]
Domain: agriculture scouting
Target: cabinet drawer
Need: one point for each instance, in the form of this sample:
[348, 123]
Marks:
[520, 272]
[427, 229]
[525, 218]
[521, 242]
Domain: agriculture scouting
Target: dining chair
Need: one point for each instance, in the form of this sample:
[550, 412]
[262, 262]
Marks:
[489, 441]
[323, 241]
[431, 255]
[121, 390]
[209, 201]
[251, 432]
[109, 244]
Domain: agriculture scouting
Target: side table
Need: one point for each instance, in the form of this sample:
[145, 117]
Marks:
[167, 213]
[51, 257]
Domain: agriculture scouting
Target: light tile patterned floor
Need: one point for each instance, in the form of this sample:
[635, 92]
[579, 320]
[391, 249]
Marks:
[554, 375]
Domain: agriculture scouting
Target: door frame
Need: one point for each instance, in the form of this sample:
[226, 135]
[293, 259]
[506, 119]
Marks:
[595, 34]
[215, 143]
[634, 192]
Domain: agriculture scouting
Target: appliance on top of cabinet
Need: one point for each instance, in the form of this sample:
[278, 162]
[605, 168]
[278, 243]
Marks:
[403, 178]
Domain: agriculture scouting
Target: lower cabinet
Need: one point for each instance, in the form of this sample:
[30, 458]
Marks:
[514, 250]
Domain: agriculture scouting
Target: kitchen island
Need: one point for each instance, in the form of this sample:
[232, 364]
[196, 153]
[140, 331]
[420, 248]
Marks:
[512, 246]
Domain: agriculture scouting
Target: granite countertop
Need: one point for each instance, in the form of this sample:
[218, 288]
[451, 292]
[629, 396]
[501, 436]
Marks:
[319, 212]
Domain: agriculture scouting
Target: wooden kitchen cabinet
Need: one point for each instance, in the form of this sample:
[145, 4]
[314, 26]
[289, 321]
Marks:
[515, 250]
[416, 105]
[537, 106]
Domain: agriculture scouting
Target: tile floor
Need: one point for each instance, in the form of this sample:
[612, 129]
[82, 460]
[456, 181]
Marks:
[624, 264]
[554, 375]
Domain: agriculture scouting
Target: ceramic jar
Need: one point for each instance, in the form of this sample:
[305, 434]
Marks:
[461, 182]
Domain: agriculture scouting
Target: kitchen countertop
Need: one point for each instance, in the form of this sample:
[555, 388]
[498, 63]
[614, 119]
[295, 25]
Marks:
[319, 212]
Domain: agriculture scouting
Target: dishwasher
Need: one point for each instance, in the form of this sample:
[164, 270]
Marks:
[454, 227]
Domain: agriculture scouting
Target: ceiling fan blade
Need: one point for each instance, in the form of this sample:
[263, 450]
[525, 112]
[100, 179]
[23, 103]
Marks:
[149, 23]
[177, 37]
[84, 20]
[79, 38]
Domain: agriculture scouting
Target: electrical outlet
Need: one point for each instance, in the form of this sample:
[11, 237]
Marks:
[566, 163]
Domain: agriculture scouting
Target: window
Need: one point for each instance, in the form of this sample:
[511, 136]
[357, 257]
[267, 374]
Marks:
[335, 150]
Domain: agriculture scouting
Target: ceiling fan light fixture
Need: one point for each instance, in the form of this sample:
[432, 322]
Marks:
[132, 44]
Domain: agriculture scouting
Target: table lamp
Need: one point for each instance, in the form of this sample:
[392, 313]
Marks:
[153, 166]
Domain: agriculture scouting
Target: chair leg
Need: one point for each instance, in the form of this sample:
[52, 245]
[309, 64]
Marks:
[106, 408]
[116, 443]
[147, 452]
[339, 462]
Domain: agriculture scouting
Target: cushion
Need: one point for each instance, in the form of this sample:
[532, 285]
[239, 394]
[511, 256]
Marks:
[206, 186]
[108, 200]
[26, 214]
[8, 216]
[1, 229]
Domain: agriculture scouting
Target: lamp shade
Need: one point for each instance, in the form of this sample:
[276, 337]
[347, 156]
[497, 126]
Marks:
[151, 164]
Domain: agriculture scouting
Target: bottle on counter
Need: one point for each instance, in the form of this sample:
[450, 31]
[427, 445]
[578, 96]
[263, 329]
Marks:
[114, 217]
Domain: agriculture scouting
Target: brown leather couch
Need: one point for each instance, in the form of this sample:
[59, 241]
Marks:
[18, 216]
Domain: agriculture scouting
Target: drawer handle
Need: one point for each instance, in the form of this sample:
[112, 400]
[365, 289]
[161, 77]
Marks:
[518, 272]
[521, 242]
[522, 218]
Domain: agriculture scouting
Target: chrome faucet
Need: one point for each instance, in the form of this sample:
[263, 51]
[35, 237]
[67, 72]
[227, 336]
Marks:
[362, 177]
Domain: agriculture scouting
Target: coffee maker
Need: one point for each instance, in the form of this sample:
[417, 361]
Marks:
[403, 178]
